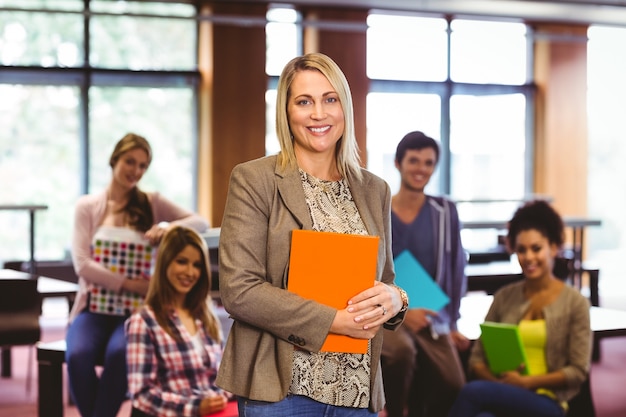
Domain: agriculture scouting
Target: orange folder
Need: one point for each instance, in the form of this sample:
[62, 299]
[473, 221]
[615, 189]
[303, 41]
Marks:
[331, 268]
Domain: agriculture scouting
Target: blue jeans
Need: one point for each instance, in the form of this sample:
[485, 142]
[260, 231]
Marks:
[297, 406]
[97, 338]
[496, 399]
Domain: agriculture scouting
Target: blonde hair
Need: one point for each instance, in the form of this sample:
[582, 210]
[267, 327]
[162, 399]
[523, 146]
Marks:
[161, 293]
[347, 156]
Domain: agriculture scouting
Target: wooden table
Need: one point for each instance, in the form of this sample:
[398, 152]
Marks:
[47, 287]
[31, 210]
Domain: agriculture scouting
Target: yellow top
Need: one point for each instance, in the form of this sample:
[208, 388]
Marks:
[533, 335]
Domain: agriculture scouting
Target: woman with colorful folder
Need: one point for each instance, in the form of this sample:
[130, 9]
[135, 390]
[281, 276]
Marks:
[115, 231]
[273, 360]
[553, 322]
[174, 341]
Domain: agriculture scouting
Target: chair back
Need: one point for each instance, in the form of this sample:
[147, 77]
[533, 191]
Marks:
[20, 308]
[563, 267]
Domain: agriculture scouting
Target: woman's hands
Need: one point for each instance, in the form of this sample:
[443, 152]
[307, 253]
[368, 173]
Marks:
[515, 377]
[212, 404]
[138, 286]
[367, 311]
[156, 232]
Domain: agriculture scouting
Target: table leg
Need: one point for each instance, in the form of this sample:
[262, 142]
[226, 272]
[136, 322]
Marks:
[594, 291]
[595, 349]
[6, 361]
[577, 241]
[50, 389]
[594, 296]
[31, 267]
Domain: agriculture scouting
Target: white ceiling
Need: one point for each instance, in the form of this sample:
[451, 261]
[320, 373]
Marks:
[611, 12]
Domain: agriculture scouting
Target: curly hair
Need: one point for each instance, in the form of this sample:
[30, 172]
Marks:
[540, 216]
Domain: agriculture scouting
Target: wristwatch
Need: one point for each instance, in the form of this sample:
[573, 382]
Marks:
[405, 299]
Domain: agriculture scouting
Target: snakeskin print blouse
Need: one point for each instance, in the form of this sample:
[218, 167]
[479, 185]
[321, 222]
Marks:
[340, 379]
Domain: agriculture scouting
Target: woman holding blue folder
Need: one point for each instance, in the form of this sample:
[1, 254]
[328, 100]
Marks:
[553, 320]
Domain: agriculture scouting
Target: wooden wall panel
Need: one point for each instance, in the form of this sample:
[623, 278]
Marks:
[237, 131]
[205, 121]
[561, 116]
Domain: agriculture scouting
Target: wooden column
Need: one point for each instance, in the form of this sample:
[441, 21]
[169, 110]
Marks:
[234, 80]
[205, 121]
[340, 34]
[561, 118]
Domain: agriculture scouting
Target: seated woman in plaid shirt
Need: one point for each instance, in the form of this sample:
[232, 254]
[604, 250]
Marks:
[174, 341]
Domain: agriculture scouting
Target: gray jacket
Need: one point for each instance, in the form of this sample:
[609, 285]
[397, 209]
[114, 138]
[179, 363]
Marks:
[451, 261]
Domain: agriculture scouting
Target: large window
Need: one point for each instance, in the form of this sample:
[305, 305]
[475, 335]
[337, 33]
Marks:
[67, 99]
[463, 82]
[284, 42]
[412, 112]
[607, 148]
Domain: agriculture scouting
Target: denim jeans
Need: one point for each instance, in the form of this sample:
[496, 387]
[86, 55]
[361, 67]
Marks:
[97, 338]
[496, 399]
[297, 406]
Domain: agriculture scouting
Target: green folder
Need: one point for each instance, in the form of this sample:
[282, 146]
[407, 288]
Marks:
[421, 288]
[503, 347]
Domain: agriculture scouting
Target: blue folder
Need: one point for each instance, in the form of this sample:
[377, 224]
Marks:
[422, 290]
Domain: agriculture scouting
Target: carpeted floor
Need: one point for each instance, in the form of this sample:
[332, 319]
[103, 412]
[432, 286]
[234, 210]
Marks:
[607, 376]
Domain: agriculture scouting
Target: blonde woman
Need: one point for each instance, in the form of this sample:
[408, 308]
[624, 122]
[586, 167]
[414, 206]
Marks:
[272, 359]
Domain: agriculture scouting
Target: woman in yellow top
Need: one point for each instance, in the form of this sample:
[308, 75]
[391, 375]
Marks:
[554, 324]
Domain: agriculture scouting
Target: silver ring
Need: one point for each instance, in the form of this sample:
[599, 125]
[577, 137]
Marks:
[384, 309]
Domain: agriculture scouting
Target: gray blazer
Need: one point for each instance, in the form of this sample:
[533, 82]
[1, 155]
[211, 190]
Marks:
[264, 204]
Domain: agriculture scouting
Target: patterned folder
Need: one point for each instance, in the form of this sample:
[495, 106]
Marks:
[125, 252]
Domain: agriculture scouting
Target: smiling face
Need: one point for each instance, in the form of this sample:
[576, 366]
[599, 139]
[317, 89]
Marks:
[185, 270]
[130, 167]
[315, 114]
[416, 168]
[535, 254]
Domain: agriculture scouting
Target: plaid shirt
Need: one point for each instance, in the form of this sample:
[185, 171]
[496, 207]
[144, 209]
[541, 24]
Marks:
[168, 377]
